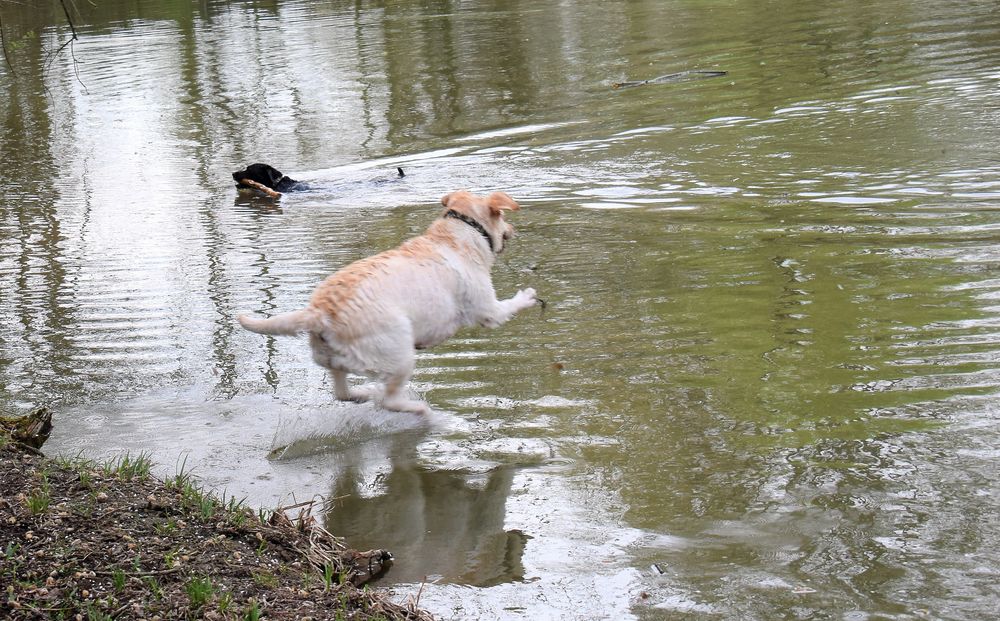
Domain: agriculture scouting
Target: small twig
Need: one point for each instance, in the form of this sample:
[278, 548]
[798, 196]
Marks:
[69, 20]
[120, 610]
[3, 44]
[28, 448]
[306, 502]
[76, 69]
[69, 42]
[329, 503]
[40, 609]
[72, 28]
[158, 572]
[416, 603]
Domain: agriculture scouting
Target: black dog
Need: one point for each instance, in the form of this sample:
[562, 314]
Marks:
[271, 177]
[268, 176]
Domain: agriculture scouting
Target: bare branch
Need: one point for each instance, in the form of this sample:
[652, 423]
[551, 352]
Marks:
[3, 45]
[72, 28]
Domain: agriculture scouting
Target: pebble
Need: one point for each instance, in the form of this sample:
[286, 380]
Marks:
[101, 497]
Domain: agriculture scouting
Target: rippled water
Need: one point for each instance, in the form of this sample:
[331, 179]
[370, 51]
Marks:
[765, 382]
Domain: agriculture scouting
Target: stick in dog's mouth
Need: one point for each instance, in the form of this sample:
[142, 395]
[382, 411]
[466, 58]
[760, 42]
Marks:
[260, 186]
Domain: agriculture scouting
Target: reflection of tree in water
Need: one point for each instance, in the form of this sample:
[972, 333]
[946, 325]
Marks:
[35, 245]
[23, 33]
[438, 524]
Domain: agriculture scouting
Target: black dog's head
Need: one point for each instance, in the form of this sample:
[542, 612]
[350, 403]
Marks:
[265, 175]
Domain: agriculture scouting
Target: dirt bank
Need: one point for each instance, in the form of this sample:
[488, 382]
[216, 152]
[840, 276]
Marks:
[82, 540]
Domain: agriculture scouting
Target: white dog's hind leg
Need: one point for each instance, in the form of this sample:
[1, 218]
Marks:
[343, 391]
[396, 400]
[398, 368]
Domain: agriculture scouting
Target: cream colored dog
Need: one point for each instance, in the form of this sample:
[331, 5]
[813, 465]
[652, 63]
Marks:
[370, 316]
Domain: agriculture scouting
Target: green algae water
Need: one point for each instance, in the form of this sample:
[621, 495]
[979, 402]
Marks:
[765, 382]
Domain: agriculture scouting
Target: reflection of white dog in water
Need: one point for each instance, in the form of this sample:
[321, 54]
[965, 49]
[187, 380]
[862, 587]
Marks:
[443, 523]
[368, 317]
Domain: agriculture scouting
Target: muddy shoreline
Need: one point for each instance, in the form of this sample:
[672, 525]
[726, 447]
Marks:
[86, 540]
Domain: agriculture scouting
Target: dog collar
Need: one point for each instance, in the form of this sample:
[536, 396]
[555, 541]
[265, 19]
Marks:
[451, 213]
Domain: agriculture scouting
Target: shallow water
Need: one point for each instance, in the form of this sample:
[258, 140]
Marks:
[765, 382]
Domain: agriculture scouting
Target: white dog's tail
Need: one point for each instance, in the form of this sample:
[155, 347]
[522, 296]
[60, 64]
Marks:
[283, 324]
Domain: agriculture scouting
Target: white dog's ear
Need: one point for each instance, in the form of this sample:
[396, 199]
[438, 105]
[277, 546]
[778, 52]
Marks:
[500, 201]
[449, 197]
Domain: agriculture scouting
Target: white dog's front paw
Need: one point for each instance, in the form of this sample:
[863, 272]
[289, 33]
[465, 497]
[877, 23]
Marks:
[525, 298]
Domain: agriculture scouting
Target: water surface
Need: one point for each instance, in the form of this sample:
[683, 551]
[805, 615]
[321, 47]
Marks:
[765, 382]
